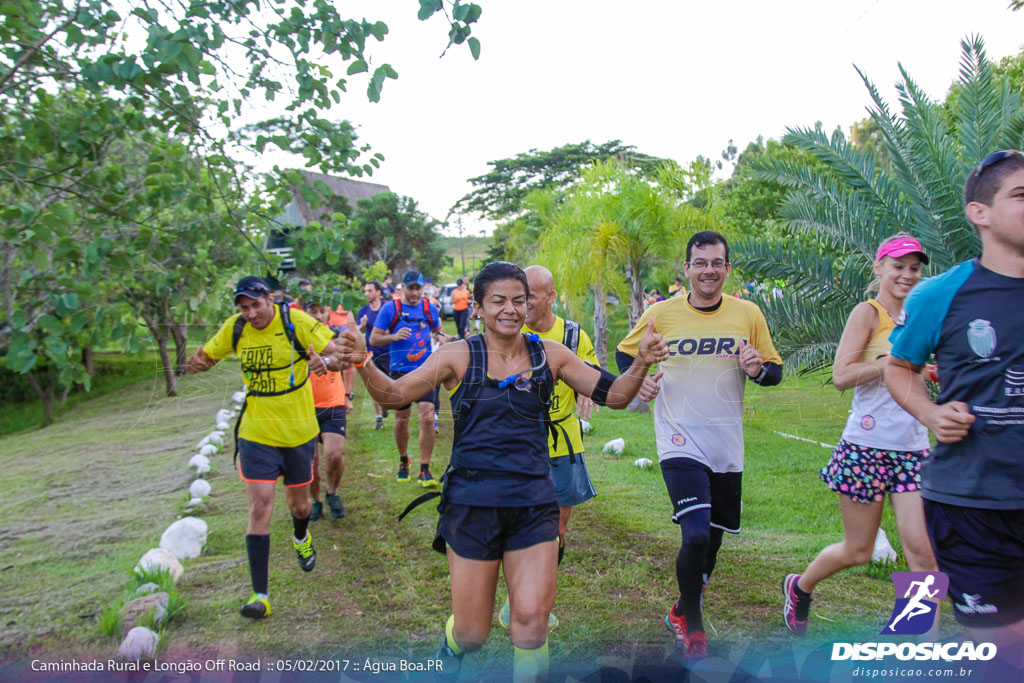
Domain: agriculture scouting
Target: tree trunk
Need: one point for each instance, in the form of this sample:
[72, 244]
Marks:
[87, 361]
[601, 326]
[165, 358]
[160, 334]
[636, 295]
[45, 396]
[180, 347]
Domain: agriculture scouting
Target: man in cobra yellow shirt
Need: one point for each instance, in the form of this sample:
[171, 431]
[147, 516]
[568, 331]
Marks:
[277, 430]
[565, 444]
[717, 343]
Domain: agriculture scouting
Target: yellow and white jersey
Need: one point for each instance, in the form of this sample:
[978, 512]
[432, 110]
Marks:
[699, 410]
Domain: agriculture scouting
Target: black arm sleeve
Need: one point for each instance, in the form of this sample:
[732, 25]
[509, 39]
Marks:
[623, 360]
[770, 376]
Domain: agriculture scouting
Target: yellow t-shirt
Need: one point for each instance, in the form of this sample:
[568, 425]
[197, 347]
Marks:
[289, 419]
[699, 411]
[563, 401]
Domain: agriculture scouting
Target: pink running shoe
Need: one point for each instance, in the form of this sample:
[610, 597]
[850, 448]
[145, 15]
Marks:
[794, 610]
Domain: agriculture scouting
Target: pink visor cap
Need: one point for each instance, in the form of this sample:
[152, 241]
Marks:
[901, 246]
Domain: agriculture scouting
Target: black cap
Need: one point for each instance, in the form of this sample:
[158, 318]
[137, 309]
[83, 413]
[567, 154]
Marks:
[413, 277]
[252, 287]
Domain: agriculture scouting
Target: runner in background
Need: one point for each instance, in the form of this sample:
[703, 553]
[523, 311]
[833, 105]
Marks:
[331, 403]
[882, 448]
[460, 306]
[367, 316]
[406, 326]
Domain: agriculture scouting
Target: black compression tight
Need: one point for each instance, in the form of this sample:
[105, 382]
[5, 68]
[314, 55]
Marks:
[695, 562]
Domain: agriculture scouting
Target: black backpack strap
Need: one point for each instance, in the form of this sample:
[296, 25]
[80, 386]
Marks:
[289, 330]
[571, 337]
[236, 332]
[419, 501]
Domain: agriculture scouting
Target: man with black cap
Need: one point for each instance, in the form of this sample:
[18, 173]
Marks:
[276, 432]
[405, 325]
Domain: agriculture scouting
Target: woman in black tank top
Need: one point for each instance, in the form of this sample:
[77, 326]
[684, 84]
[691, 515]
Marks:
[499, 504]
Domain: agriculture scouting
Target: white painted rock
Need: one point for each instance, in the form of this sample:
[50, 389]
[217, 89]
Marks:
[208, 450]
[202, 443]
[238, 397]
[883, 552]
[193, 502]
[222, 415]
[140, 643]
[185, 538]
[615, 446]
[215, 438]
[200, 488]
[198, 460]
[587, 427]
[643, 463]
[158, 558]
[202, 469]
[223, 425]
[147, 588]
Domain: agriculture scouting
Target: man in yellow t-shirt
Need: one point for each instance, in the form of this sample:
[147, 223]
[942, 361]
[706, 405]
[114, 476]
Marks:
[276, 435]
[716, 344]
[565, 445]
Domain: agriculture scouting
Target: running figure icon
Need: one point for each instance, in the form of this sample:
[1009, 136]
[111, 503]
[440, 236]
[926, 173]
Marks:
[915, 607]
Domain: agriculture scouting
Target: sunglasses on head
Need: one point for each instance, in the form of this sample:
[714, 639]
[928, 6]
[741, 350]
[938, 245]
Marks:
[994, 158]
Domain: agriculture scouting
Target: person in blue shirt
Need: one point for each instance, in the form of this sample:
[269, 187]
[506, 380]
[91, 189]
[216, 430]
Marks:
[972, 319]
[405, 326]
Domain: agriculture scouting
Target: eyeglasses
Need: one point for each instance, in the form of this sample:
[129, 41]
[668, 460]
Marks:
[994, 158]
[701, 264]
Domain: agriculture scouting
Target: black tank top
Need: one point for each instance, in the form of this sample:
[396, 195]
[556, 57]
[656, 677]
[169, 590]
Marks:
[500, 450]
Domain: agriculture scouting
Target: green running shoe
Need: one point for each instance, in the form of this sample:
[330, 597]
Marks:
[317, 512]
[503, 618]
[306, 553]
[426, 480]
[403, 471]
[256, 608]
[334, 503]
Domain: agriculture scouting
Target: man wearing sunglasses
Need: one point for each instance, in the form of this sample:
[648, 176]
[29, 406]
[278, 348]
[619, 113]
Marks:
[972, 319]
[716, 344]
[276, 432]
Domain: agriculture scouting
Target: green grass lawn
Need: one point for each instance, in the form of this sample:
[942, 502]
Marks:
[83, 499]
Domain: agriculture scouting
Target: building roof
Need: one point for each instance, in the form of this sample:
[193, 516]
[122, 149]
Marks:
[352, 190]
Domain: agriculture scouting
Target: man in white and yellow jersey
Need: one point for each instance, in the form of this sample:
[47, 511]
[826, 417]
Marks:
[276, 434]
[716, 344]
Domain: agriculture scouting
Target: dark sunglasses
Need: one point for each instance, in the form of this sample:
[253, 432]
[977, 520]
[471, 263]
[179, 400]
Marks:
[994, 158]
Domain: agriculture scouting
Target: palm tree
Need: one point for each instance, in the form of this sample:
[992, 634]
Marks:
[840, 208]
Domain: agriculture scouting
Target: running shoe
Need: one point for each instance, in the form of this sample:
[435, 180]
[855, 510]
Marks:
[678, 627]
[317, 512]
[306, 553]
[256, 608]
[379, 424]
[503, 618]
[696, 645]
[794, 610]
[334, 503]
[403, 471]
[426, 480]
[437, 429]
[451, 663]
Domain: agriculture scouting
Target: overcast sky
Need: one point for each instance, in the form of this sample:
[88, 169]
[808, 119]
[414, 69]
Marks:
[675, 79]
